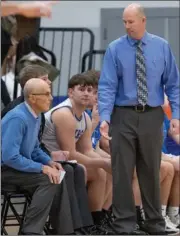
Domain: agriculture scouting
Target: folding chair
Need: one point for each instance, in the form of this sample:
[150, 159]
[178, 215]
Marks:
[9, 193]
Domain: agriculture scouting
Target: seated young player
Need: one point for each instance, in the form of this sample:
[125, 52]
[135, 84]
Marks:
[96, 135]
[68, 127]
[171, 154]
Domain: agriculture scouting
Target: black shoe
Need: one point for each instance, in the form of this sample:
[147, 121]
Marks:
[94, 230]
[142, 231]
[54, 232]
[109, 231]
[140, 216]
[97, 230]
[80, 232]
[110, 217]
[84, 230]
[136, 231]
[69, 234]
[100, 220]
[158, 233]
[106, 222]
[101, 230]
[22, 233]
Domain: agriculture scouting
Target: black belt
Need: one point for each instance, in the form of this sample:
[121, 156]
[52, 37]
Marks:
[139, 108]
[4, 167]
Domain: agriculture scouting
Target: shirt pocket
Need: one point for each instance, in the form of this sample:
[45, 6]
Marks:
[156, 67]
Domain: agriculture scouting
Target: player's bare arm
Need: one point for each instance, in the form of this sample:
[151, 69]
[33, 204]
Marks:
[65, 133]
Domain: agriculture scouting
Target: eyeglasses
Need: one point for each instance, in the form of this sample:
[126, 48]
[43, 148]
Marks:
[42, 94]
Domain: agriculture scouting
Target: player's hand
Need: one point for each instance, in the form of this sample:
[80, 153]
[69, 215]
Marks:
[175, 126]
[55, 165]
[107, 165]
[60, 155]
[95, 115]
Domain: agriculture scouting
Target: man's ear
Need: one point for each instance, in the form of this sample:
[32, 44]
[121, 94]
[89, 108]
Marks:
[144, 19]
[32, 98]
[70, 92]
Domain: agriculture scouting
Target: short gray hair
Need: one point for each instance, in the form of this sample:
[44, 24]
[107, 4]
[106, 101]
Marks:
[29, 72]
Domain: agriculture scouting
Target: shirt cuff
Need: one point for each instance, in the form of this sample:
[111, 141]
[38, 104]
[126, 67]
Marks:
[38, 167]
[105, 117]
[46, 159]
[176, 115]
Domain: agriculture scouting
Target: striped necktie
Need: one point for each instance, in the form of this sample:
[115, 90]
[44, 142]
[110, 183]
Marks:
[142, 93]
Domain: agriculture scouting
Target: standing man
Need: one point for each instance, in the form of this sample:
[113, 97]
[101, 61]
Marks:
[137, 68]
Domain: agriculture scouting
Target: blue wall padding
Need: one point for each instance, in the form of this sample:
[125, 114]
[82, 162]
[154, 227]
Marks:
[57, 100]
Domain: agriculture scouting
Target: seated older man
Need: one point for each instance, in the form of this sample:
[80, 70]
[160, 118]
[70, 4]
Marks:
[23, 163]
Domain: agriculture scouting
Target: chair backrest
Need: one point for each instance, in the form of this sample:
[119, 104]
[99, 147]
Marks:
[97, 59]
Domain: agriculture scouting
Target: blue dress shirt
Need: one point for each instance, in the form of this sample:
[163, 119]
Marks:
[118, 85]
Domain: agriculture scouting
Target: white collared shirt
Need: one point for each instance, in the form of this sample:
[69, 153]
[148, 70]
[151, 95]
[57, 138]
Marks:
[31, 110]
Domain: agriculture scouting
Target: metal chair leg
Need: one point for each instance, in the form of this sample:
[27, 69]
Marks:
[23, 215]
[4, 213]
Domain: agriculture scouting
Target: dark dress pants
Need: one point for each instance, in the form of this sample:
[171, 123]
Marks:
[136, 141]
[43, 195]
[78, 197]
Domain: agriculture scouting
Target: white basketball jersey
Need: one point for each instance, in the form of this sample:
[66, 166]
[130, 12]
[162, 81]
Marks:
[49, 134]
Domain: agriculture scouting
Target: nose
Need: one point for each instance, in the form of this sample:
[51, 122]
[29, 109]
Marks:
[50, 97]
[86, 92]
[49, 82]
[127, 26]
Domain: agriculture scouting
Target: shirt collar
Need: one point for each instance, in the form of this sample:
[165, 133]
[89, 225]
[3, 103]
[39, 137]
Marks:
[144, 39]
[31, 110]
